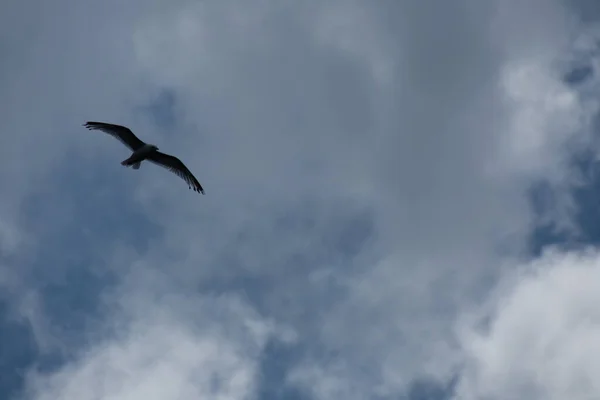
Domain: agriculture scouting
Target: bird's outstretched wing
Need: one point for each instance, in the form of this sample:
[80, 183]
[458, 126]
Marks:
[120, 132]
[175, 165]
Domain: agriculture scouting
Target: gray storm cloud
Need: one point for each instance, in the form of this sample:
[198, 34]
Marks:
[366, 165]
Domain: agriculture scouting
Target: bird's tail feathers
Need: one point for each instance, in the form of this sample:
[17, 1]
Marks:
[131, 163]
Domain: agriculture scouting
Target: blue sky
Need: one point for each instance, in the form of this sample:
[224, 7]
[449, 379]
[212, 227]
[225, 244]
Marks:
[400, 200]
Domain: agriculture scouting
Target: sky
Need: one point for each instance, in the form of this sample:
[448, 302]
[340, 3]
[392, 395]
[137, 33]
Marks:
[401, 200]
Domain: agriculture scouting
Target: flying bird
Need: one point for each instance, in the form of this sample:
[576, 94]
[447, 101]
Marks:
[145, 151]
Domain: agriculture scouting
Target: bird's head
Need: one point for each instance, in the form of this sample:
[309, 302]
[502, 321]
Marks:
[153, 147]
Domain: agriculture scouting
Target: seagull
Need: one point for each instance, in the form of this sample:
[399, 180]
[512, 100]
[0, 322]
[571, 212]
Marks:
[146, 151]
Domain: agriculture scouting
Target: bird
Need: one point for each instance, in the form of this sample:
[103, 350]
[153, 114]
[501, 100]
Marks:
[145, 151]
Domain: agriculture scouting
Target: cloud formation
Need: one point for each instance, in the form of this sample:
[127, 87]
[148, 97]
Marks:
[542, 342]
[367, 170]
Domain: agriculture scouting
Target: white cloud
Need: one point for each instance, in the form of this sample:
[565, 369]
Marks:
[542, 341]
[159, 355]
[546, 113]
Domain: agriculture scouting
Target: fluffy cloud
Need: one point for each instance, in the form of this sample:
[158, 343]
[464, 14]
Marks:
[160, 354]
[366, 170]
[542, 342]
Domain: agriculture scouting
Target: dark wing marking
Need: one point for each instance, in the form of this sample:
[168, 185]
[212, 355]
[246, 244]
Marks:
[119, 132]
[175, 165]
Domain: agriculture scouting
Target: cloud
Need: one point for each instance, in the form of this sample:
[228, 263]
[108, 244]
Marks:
[541, 342]
[366, 168]
[159, 354]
